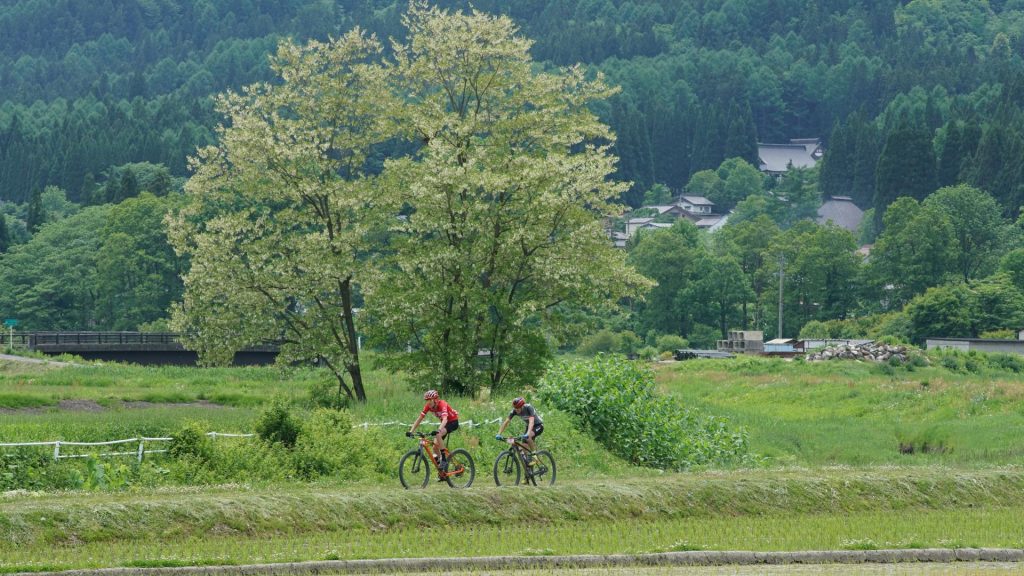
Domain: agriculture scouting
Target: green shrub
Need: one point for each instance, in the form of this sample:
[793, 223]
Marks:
[190, 441]
[1001, 334]
[1007, 362]
[276, 425]
[603, 341]
[647, 353]
[614, 399]
[28, 469]
[952, 363]
[704, 336]
[327, 394]
[670, 343]
[815, 329]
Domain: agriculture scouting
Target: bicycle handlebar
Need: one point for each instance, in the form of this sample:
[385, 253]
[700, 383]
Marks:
[501, 438]
[420, 434]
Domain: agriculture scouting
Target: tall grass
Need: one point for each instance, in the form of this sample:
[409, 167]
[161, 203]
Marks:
[856, 413]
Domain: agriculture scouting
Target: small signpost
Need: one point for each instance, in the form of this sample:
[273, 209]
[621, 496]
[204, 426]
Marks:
[10, 323]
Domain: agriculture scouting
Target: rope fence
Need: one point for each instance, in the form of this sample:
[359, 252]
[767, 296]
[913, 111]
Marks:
[141, 449]
[138, 452]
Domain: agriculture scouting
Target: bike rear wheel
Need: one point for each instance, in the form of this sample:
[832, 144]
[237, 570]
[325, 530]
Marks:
[414, 470]
[544, 471]
[507, 469]
[461, 469]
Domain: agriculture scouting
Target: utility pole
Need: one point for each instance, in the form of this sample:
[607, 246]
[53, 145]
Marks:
[782, 273]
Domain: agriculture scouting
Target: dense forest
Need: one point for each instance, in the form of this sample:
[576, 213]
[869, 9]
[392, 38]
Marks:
[102, 100]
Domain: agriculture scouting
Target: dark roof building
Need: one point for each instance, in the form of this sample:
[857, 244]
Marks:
[841, 211]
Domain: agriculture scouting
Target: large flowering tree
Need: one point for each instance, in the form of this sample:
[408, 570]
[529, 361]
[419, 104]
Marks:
[505, 200]
[281, 210]
[462, 248]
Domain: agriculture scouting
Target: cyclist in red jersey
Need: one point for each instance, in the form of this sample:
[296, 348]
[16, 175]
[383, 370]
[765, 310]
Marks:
[449, 422]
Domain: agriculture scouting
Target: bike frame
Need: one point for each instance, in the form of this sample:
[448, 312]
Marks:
[427, 449]
[522, 450]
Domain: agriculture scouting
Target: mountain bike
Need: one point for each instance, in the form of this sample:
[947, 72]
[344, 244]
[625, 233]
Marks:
[513, 465]
[414, 470]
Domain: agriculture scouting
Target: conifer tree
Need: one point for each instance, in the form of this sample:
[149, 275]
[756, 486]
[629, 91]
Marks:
[905, 168]
[36, 215]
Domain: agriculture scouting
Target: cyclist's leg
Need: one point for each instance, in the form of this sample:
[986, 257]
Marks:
[439, 440]
[538, 429]
[442, 434]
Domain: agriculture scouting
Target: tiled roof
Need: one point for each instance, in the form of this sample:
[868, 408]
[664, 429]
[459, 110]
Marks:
[842, 211]
[778, 157]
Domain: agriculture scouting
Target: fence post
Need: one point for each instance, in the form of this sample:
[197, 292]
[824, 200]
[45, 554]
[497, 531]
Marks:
[141, 441]
[56, 451]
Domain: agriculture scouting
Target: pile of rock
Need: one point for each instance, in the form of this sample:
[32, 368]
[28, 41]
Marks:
[869, 352]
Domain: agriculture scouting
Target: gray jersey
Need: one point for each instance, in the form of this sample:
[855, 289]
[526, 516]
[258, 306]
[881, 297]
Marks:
[525, 414]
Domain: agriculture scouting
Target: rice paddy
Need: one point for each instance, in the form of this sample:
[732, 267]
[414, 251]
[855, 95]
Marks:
[830, 475]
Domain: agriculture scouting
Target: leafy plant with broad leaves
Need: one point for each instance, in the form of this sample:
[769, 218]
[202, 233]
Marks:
[615, 400]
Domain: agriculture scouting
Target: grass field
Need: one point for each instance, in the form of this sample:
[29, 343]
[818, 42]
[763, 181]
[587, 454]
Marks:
[849, 456]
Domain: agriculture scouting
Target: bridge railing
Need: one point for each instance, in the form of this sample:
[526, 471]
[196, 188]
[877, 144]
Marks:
[32, 340]
[56, 338]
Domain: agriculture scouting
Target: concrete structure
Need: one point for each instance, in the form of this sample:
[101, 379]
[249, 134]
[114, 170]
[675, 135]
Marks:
[743, 342]
[977, 344]
[814, 344]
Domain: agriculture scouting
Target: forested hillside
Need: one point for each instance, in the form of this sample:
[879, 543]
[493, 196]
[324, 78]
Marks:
[101, 100]
[86, 85]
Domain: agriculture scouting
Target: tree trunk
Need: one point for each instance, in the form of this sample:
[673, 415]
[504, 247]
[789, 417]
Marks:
[352, 341]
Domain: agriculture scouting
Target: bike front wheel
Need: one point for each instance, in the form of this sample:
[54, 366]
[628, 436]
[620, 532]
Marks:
[544, 471]
[461, 469]
[507, 469]
[414, 470]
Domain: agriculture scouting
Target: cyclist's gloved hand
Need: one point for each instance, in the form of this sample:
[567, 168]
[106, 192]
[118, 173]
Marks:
[408, 434]
[499, 437]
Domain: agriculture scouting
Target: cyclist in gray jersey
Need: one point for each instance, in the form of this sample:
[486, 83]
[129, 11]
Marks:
[534, 426]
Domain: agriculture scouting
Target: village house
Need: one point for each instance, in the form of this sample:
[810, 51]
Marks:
[841, 211]
[776, 159]
[697, 209]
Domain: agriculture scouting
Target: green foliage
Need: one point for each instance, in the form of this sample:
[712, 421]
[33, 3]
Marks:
[327, 394]
[190, 441]
[815, 330]
[105, 475]
[35, 470]
[277, 425]
[503, 201]
[615, 400]
[959, 310]
[704, 336]
[602, 341]
[1000, 334]
[670, 342]
[658, 195]
[979, 228]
